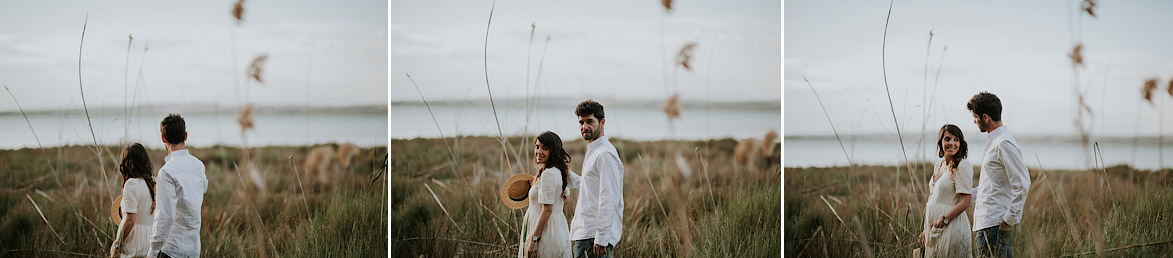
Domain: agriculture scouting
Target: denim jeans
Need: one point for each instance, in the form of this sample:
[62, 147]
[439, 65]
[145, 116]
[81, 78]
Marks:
[995, 242]
[583, 249]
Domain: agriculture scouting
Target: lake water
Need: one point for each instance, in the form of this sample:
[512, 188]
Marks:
[1050, 152]
[643, 122]
[365, 129]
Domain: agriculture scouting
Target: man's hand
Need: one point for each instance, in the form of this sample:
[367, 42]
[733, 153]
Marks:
[1003, 226]
[114, 251]
[922, 238]
[599, 250]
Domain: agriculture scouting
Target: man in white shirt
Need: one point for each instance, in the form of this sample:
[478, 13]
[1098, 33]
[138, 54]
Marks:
[598, 215]
[1003, 184]
[180, 194]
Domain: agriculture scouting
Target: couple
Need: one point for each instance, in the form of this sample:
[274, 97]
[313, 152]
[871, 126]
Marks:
[170, 228]
[1001, 191]
[598, 216]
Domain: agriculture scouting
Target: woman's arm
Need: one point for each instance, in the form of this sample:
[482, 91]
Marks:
[547, 209]
[127, 226]
[955, 212]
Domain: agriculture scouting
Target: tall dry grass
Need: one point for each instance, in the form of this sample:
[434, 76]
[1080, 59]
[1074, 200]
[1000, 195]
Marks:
[1066, 213]
[348, 217]
[732, 213]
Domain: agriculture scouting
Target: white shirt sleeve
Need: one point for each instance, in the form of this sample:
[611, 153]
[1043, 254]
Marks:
[963, 178]
[550, 186]
[129, 202]
[573, 181]
[608, 167]
[1019, 178]
[166, 200]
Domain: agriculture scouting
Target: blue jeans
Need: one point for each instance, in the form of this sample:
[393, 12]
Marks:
[583, 249]
[995, 242]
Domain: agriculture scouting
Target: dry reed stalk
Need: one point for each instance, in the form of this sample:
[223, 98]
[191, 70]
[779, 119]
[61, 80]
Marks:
[35, 137]
[238, 11]
[59, 238]
[672, 107]
[920, 150]
[125, 87]
[442, 208]
[451, 154]
[257, 68]
[684, 56]
[644, 163]
[862, 237]
[306, 203]
[1058, 201]
[1100, 252]
[833, 210]
[892, 107]
[500, 133]
[96, 149]
[833, 130]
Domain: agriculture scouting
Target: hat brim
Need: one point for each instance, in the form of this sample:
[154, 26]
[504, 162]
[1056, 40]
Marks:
[116, 210]
[515, 179]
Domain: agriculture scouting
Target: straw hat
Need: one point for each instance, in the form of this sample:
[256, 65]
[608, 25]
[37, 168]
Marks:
[515, 191]
[116, 210]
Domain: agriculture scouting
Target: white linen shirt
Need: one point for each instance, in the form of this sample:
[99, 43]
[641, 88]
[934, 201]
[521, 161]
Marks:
[1003, 183]
[180, 195]
[598, 213]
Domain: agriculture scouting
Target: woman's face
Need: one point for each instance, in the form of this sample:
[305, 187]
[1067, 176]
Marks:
[950, 143]
[541, 153]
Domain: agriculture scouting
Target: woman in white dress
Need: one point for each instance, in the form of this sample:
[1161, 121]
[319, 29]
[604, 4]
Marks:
[138, 204]
[547, 233]
[946, 227]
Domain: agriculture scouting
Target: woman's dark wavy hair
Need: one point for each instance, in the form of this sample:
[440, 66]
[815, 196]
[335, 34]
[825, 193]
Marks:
[136, 163]
[558, 157]
[962, 151]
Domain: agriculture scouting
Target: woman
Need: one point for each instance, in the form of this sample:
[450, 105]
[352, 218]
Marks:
[138, 204]
[947, 228]
[546, 231]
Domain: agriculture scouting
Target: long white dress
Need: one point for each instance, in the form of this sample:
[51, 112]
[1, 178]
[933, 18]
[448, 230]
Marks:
[954, 240]
[136, 198]
[555, 239]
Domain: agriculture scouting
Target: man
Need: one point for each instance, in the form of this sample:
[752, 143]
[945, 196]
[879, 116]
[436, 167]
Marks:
[180, 194]
[598, 216]
[1003, 183]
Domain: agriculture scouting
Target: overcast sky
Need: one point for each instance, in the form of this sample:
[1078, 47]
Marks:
[1016, 50]
[190, 58]
[597, 49]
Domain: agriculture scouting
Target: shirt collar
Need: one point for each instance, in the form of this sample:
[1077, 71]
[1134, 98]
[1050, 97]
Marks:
[598, 142]
[174, 154]
[997, 132]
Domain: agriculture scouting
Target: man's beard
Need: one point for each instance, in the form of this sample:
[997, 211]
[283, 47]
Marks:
[590, 136]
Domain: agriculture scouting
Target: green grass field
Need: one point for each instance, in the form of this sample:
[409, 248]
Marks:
[666, 213]
[344, 218]
[1121, 213]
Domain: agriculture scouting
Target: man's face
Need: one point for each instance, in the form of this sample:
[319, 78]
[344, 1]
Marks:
[590, 127]
[980, 121]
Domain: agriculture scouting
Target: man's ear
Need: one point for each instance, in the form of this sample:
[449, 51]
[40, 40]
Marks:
[184, 136]
[164, 138]
[602, 121]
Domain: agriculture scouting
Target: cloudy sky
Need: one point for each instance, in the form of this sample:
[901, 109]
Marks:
[189, 52]
[1016, 50]
[596, 49]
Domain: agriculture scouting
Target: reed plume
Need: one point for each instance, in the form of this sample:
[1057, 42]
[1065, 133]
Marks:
[256, 69]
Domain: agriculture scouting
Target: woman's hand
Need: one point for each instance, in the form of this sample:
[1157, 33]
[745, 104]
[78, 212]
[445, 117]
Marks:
[114, 251]
[939, 223]
[532, 250]
[922, 238]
